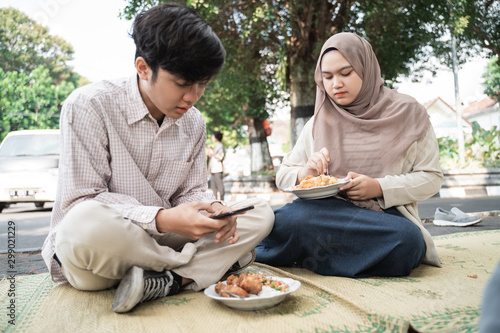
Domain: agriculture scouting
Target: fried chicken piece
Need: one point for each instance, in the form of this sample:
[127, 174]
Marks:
[233, 280]
[221, 287]
[251, 283]
[218, 287]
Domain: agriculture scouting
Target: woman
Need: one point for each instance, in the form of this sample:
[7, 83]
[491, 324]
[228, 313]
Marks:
[216, 165]
[379, 140]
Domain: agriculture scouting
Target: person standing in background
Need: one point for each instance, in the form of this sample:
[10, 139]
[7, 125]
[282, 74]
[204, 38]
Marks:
[216, 166]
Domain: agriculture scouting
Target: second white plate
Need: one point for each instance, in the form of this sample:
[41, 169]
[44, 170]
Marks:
[317, 192]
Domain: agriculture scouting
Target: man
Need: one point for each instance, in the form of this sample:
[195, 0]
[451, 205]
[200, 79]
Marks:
[216, 165]
[132, 207]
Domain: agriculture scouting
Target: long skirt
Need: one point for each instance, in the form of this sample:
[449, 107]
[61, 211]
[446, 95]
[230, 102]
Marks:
[337, 238]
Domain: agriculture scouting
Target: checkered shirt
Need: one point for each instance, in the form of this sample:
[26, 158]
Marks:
[113, 151]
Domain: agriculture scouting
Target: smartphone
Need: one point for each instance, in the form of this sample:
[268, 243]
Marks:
[234, 212]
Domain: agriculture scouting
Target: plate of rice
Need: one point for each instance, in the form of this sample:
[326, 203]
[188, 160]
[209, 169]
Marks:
[317, 187]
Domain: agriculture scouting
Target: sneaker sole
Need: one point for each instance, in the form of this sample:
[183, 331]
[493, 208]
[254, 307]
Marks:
[444, 223]
[247, 260]
[130, 290]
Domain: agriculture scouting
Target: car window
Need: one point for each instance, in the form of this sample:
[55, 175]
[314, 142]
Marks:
[30, 145]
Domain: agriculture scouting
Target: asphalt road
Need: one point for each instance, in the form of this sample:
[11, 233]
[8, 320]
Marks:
[32, 224]
[427, 208]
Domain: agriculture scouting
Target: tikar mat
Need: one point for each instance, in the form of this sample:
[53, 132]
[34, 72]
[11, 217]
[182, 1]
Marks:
[431, 299]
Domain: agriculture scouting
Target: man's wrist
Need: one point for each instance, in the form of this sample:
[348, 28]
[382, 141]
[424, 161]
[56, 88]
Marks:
[160, 220]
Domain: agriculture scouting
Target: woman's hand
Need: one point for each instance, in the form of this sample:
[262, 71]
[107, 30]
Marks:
[316, 165]
[186, 220]
[210, 151]
[361, 187]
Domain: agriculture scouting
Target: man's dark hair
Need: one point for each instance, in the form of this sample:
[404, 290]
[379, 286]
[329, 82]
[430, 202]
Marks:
[174, 38]
[217, 135]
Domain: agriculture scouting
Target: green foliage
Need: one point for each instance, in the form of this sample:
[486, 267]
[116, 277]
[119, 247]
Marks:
[26, 45]
[477, 24]
[34, 76]
[244, 89]
[30, 101]
[272, 46]
[268, 40]
[248, 86]
[482, 149]
[492, 79]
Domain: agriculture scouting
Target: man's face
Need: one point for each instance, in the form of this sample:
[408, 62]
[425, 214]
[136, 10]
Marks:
[169, 95]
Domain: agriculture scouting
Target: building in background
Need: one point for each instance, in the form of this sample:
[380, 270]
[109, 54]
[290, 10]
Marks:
[486, 112]
[444, 118]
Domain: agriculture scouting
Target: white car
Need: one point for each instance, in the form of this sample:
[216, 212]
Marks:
[29, 164]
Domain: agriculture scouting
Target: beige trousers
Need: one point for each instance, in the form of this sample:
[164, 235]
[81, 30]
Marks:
[96, 246]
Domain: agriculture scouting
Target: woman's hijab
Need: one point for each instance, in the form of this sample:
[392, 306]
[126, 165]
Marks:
[373, 133]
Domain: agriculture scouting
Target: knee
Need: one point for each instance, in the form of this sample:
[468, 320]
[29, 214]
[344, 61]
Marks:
[262, 212]
[412, 237]
[293, 218]
[83, 223]
[411, 246]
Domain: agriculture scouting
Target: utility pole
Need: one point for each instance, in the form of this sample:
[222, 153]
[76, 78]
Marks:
[458, 104]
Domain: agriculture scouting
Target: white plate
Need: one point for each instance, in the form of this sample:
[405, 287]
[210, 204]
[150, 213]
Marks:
[254, 302]
[318, 192]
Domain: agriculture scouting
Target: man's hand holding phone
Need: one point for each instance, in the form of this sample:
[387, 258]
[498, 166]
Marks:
[229, 231]
[234, 212]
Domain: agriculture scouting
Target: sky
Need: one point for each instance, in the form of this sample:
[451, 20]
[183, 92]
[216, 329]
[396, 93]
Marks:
[104, 50]
[100, 39]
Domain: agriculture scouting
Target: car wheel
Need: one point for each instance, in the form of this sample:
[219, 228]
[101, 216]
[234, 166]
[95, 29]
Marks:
[39, 204]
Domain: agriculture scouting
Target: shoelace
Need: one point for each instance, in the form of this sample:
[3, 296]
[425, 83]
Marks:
[156, 287]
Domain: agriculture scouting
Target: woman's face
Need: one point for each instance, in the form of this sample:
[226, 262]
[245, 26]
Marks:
[341, 82]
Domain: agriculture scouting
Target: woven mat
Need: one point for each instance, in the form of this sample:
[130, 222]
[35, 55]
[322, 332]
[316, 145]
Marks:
[431, 299]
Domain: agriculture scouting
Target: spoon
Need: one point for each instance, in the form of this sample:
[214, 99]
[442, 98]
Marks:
[232, 294]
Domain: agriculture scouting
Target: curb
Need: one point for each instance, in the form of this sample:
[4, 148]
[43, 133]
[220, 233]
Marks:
[274, 198]
[34, 250]
[280, 197]
[493, 213]
[469, 191]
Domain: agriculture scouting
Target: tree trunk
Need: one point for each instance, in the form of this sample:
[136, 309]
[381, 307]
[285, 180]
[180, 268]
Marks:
[312, 25]
[302, 96]
[259, 149]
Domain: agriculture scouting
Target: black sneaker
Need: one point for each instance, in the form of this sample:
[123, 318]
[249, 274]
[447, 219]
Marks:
[241, 264]
[139, 286]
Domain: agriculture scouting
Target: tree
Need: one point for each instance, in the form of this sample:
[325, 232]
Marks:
[30, 101]
[245, 92]
[34, 76]
[26, 45]
[404, 35]
[492, 79]
[482, 26]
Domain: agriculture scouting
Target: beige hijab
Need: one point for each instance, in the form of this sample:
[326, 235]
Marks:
[375, 131]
